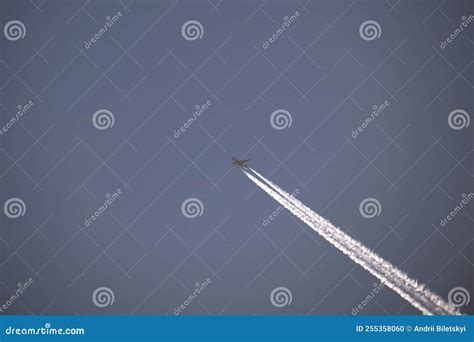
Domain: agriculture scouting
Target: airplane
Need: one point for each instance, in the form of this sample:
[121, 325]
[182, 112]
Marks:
[240, 162]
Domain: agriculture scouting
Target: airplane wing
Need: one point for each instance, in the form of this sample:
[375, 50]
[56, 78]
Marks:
[246, 160]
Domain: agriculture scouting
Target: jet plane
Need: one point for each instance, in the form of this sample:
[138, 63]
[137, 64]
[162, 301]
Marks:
[240, 162]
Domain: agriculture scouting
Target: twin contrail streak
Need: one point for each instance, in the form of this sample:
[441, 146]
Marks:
[409, 289]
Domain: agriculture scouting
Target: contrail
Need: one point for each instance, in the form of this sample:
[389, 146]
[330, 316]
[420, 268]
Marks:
[416, 294]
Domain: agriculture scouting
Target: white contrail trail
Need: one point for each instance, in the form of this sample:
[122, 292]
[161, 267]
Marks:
[416, 294]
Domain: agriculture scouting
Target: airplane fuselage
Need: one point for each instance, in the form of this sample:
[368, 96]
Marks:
[240, 162]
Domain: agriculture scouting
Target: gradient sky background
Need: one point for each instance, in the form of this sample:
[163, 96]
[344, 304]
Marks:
[150, 78]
